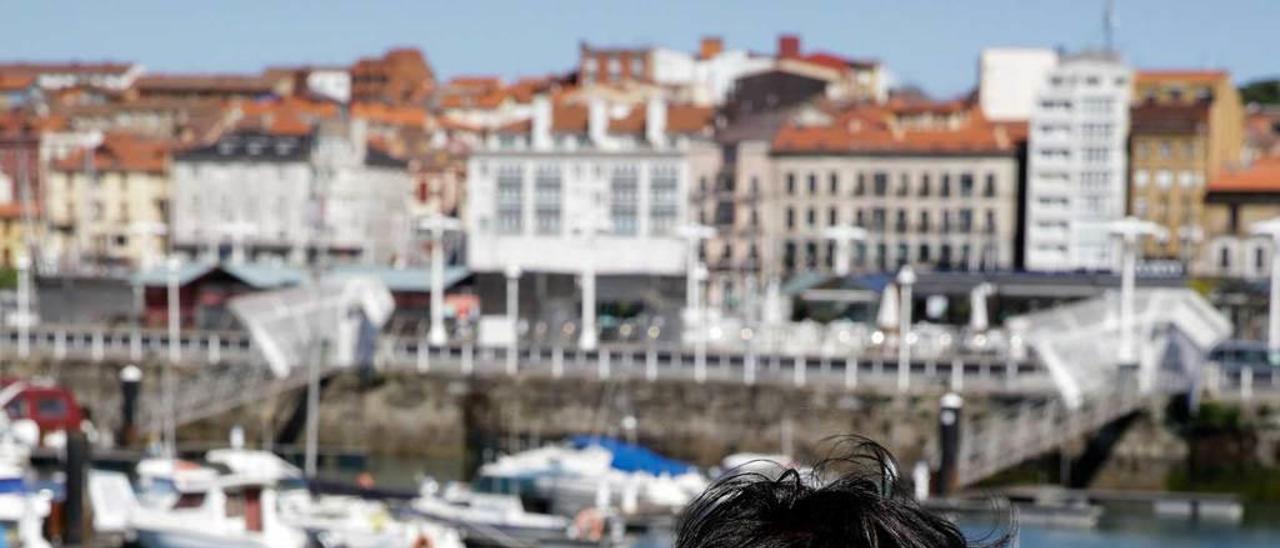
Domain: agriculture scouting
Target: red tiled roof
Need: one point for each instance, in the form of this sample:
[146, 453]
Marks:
[1262, 176]
[876, 128]
[122, 152]
[210, 82]
[11, 82]
[73, 66]
[1179, 75]
[390, 115]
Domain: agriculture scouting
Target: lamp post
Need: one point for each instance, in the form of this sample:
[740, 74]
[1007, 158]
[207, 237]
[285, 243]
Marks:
[1270, 229]
[1129, 231]
[588, 226]
[695, 308]
[844, 236]
[513, 316]
[906, 278]
[175, 351]
[437, 225]
[699, 319]
[23, 263]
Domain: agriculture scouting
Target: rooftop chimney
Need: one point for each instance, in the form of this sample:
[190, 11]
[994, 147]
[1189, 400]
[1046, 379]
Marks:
[597, 121]
[655, 122]
[788, 46]
[710, 46]
[541, 131]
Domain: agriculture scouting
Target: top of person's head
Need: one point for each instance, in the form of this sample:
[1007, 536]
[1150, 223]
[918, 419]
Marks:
[853, 500]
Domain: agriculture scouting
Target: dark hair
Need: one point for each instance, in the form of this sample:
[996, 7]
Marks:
[854, 500]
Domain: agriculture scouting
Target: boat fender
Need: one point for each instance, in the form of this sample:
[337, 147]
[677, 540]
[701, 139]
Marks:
[589, 525]
[423, 541]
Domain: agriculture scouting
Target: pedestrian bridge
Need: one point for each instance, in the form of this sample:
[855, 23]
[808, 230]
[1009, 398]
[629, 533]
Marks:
[1080, 346]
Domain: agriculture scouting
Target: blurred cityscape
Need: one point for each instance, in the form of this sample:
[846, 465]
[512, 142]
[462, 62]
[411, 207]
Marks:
[697, 251]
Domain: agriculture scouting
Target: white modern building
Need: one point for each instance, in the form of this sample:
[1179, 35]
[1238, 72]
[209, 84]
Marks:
[255, 196]
[1077, 161]
[586, 188]
[1010, 79]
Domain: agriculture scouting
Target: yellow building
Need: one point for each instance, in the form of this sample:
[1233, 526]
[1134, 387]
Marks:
[110, 210]
[1187, 127]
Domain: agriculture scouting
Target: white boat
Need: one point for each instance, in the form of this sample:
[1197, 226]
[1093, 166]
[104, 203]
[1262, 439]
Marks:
[493, 516]
[586, 474]
[184, 505]
[22, 511]
[333, 520]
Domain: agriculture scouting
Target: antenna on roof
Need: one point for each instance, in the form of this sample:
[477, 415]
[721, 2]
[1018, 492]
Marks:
[1109, 26]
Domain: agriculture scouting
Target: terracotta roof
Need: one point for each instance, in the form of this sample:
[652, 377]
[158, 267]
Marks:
[11, 82]
[122, 152]
[1179, 75]
[16, 122]
[876, 129]
[633, 123]
[234, 83]
[1169, 119]
[1262, 176]
[73, 66]
[569, 118]
[390, 115]
[689, 118]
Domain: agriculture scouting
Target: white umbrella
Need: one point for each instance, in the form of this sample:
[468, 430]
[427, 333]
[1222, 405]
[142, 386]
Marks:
[887, 317]
[978, 320]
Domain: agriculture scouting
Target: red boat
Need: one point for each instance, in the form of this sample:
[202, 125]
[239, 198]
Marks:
[53, 408]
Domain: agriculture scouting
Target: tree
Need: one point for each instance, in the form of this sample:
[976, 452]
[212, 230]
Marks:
[1265, 92]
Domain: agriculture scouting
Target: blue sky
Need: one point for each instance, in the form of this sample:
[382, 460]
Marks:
[932, 43]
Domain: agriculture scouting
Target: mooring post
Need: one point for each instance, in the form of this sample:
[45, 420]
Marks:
[949, 442]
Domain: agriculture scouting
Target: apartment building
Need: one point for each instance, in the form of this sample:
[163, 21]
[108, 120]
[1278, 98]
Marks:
[108, 205]
[401, 76]
[1077, 158]
[594, 187]
[934, 184]
[1236, 200]
[291, 194]
[1187, 127]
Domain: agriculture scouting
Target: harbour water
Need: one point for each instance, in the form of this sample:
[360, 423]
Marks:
[1123, 527]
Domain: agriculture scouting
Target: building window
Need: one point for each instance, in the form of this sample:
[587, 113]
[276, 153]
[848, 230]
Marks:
[880, 180]
[900, 222]
[966, 184]
[924, 184]
[834, 181]
[546, 198]
[966, 220]
[1259, 258]
[811, 217]
[1164, 179]
[924, 221]
[811, 254]
[791, 184]
[989, 187]
[791, 217]
[923, 255]
[789, 255]
[904, 184]
[1140, 178]
[861, 187]
[857, 216]
[624, 197]
[510, 199]
[813, 184]
[877, 219]
[755, 185]
[831, 254]
[1224, 258]
[833, 217]
[945, 190]
[664, 199]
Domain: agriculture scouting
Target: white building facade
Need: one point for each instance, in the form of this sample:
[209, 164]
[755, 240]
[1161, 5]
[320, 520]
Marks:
[287, 198]
[1077, 164]
[1010, 80]
[554, 198]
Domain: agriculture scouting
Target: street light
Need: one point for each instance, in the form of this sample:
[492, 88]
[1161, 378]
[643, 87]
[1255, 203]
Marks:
[1270, 229]
[513, 315]
[1129, 231]
[437, 225]
[23, 263]
[906, 278]
[174, 306]
[695, 309]
[588, 226]
[843, 236]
